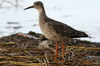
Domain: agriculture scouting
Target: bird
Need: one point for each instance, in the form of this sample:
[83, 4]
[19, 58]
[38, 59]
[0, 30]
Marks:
[55, 30]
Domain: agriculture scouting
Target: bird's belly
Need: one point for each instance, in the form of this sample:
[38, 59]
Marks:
[54, 36]
[51, 34]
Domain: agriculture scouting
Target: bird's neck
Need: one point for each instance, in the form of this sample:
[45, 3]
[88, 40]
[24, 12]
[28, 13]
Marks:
[42, 14]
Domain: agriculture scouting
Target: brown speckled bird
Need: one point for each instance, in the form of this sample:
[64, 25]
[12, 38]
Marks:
[55, 30]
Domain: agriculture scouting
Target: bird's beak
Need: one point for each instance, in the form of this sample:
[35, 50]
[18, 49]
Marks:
[29, 7]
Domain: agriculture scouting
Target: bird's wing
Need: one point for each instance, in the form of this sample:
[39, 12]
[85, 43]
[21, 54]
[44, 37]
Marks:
[64, 30]
[61, 28]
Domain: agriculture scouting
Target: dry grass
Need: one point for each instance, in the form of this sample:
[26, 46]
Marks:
[17, 50]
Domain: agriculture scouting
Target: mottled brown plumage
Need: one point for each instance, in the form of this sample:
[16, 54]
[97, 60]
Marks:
[55, 30]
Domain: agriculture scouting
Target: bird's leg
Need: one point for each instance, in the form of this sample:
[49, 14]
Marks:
[56, 51]
[63, 50]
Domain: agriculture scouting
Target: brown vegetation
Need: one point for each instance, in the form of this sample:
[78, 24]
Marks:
[38, 51]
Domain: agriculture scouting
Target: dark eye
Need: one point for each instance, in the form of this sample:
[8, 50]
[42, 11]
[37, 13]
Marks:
[37, 3]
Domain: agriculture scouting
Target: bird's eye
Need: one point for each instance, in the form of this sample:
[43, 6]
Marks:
[37, 4]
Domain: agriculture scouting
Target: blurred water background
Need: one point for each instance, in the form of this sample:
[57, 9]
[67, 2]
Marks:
[82, 15]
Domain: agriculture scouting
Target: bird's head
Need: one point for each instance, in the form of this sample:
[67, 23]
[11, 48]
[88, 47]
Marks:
[37, 5]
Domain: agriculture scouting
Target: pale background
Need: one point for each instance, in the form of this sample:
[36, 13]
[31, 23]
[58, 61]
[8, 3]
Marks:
[82, 15]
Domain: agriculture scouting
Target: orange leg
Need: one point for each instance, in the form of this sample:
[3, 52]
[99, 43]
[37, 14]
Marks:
[56, 51]
[63, 50]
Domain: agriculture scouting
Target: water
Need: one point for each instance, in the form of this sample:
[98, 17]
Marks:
[82, 15]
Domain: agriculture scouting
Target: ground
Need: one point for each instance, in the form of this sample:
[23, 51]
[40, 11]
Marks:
[16, 50]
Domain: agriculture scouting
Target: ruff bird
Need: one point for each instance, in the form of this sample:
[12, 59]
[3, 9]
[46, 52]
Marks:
[55, 30]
